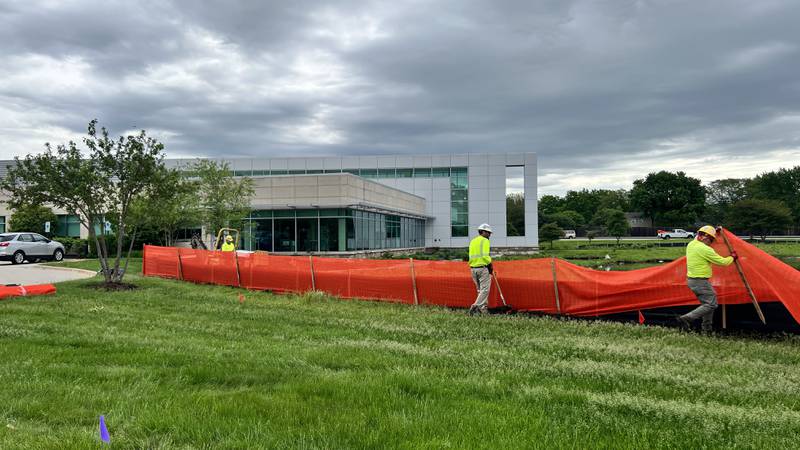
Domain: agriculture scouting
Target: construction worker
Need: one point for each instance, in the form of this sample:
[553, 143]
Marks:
[699, 258]
[228, 245]
[480, 264]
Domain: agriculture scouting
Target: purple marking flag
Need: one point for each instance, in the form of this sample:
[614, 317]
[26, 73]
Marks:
[104, 431]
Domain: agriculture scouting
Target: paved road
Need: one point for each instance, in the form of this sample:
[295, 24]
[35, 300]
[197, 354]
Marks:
[26, 274]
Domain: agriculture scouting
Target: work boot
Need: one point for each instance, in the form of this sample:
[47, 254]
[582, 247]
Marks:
[684, 322]
[472, 310]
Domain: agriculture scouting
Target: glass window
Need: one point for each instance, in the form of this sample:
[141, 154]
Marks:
[307, 235]
[329, 237]
[242, 173]
[2, 224]
[314, 171]
[424, 172]
[369, 173]
[439, 172]
[405, 173]
[297, 172]
[328, 212]
[283, 213]
[260, 173]
[284, 235]
[261, 235]
[307, 213]
[278, 172]
[260, 213]
[67, 225]
[333, 170]
[458, 195]
[25, 238]
[39, 238]
[386, 173]
[352, 171]
[459, 230]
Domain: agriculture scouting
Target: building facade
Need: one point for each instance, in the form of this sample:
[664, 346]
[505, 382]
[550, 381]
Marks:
[458, 193]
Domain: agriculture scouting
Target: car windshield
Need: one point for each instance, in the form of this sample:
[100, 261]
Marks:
[6, 237]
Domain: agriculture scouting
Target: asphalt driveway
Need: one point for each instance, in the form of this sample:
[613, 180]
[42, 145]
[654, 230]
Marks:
[27, 274]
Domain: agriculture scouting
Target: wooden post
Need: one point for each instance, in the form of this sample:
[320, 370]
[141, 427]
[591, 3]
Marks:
[724, 317]
[744, 280]
[414, 281]
[313, 279]
[180, 264]
[555, 285]
[238, 275]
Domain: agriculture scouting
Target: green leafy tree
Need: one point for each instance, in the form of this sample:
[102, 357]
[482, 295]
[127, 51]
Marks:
[29, 217]
[171, 205]
[99, 185]
[782, 185]
[721, 194]
[549, 204]
[515, 214]
[759, 217]
[224, 200]
[568, 220]
[669, 196]
[593, 234]
[587, 202]
[550, 232]
[616, 224]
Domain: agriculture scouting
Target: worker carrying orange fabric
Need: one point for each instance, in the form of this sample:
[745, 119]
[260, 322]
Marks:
[228, 246]
[480, 264]
[699, 258]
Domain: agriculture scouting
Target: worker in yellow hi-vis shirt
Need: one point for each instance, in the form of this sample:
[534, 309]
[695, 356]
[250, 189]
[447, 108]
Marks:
[228, 246]
[699, 258]
[480, 264]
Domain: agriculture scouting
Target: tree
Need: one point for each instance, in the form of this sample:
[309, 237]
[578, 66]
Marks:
[782, 185]
[721, 194]
[224, 200]
[172, 204]
[31, 217]
[665, 195]
[550, 232]
[549, 204]
[98, 188]
[568, 220]
[515, 214]
[592, 234]
[587, 202]
[616, 223]
[759, 217]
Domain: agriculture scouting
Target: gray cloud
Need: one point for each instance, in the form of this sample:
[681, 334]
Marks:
[604, 91]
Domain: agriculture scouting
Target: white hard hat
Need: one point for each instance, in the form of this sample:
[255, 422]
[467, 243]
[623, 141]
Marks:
[485, 227]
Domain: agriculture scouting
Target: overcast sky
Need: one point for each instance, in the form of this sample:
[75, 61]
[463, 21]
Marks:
[603, 91]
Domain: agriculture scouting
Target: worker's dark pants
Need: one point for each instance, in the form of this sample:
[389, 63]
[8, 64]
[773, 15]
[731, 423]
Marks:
[708, 301]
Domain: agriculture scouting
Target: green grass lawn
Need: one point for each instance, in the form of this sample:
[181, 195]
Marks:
[176, 365]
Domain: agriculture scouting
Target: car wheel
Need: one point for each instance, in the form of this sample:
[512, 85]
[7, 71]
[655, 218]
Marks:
[58, 255]
[18, 258]
[666, 237]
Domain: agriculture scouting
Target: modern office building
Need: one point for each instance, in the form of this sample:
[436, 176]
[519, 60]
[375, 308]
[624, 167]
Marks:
[373, 203]
[358, 203]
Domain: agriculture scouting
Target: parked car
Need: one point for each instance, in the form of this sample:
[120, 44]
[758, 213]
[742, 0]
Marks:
[19, 247]
[675, 233]
[569, 234]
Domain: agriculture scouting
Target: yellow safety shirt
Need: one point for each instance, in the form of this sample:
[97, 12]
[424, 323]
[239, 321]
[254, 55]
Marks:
[699, 258]
[226, 247]
[479, 252]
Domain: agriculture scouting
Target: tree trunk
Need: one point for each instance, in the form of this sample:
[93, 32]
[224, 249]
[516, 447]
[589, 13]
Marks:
[128, 258]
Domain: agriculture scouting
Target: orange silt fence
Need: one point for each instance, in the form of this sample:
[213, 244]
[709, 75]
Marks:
[25, 291]
[545, 285]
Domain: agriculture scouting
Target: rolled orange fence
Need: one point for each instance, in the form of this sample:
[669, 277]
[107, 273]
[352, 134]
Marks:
[24, 291]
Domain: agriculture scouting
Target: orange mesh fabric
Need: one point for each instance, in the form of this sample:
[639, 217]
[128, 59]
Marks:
[24, 291]
[527, 285]
[367, 279]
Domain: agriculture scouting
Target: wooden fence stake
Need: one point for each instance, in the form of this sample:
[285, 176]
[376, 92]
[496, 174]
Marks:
[555, 284]
[180, 264]
[414, 281]
[313, 279]
[238, 275]
[744, 280]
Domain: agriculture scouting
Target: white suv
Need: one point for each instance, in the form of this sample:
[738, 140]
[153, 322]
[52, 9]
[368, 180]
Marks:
[18, 247]
[569, 234]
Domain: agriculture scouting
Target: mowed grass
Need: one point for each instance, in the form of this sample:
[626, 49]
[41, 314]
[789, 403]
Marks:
[177, 365]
